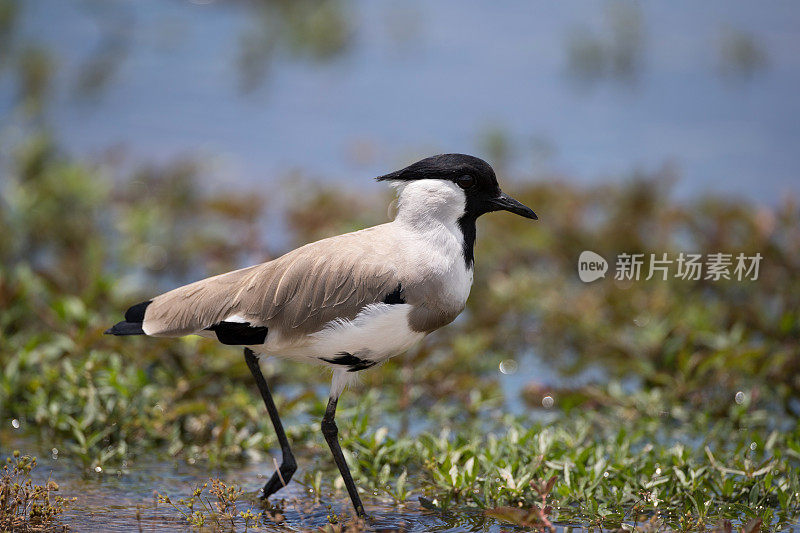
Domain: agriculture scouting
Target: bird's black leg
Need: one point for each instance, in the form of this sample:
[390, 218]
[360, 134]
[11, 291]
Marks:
[288, 465]
[331, 433]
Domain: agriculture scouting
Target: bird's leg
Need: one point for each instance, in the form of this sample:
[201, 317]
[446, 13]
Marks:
[331, 433]
[288, 465]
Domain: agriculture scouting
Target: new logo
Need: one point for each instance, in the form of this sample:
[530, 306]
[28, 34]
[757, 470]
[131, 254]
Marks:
[591, 266]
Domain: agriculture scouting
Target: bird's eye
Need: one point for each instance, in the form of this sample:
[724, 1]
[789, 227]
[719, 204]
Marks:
[466, 181]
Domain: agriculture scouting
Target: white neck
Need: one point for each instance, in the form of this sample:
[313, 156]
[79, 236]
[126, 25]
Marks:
[427, 204]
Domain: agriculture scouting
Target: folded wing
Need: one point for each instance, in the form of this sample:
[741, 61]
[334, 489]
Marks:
[293, 295]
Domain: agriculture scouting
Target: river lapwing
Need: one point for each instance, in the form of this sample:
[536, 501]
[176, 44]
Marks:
[347, 302]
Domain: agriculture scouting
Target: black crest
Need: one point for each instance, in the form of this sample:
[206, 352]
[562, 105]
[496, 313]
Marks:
[448, 167]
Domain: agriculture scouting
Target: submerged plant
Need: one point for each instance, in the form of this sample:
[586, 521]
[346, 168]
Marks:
[24, 505]
[214, 507]
[535, 516]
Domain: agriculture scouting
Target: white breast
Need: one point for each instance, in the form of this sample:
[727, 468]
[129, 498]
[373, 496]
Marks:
[433, 247]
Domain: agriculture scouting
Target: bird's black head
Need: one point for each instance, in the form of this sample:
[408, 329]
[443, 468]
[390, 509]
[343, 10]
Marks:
[473, 175]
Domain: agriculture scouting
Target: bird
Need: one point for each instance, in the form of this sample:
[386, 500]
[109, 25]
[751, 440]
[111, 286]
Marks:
[348, 302]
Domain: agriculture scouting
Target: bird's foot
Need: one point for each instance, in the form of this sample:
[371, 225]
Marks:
[279, 479]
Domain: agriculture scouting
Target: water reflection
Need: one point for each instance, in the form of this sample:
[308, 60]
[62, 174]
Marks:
[508, 366]
[616, 51]
[319, 31]
[741, 55]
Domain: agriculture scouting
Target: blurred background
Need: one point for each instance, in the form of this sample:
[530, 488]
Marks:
[344, 90]
[149, 143]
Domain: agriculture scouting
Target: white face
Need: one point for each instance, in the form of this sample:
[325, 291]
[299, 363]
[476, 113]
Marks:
[430, 198]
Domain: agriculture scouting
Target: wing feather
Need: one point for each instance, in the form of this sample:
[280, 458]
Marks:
[295, 294]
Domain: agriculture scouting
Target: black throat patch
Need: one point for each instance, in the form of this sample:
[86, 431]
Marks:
[468, 231]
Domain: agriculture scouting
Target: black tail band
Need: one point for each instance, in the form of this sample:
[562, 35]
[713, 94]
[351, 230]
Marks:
[126, 328]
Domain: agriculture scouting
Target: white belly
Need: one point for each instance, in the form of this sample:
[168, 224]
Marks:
[380, 331]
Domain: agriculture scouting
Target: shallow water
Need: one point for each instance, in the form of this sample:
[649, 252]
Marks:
[117, 501]
[125, 501]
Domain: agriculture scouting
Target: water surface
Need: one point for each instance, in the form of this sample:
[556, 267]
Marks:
[592, 91]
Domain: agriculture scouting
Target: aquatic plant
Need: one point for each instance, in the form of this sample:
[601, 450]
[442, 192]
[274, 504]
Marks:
[24, 505]
[213, 507]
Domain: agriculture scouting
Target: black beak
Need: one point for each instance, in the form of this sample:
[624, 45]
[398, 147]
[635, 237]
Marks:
[505, 203]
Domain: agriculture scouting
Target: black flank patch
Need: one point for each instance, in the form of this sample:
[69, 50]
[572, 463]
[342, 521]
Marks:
[136, 312]
[348, 359]
[239, 333]
[395, 297]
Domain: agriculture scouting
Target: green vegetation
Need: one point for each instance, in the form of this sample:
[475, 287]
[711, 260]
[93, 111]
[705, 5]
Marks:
[692, 420]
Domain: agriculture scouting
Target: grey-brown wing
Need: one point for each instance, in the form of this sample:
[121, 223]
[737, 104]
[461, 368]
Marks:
[320, 284]
[295, 294]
